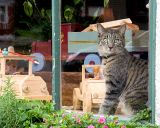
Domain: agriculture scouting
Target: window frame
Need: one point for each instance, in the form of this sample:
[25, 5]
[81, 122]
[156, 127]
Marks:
[152, 53]
[56, 65]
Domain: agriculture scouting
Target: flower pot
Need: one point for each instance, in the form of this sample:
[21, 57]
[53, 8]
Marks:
[108, 14]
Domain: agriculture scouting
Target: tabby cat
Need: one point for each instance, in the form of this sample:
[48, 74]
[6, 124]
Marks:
[126, 77]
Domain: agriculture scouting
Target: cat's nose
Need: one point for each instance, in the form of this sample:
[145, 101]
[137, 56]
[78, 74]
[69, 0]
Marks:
[110, 47]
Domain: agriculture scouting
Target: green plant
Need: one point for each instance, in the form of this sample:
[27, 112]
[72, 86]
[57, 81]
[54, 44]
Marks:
[40, 19]
[143, 116]
[95, 15]
[106, 3]
[63, 119]
[141, 120]
[16, 113]
[8, 106]
[33, 113]
[71, 12]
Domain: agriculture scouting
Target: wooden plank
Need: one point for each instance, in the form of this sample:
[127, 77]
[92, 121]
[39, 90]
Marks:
[35, 97]
[3, 64]
[29, 68]
[76, 99]
[90, 37]
[83, 73]
[87, 101]
[97, 101]
[16, 57]
[90, 66]
[115, 23]
[87, 42]
[133, 27]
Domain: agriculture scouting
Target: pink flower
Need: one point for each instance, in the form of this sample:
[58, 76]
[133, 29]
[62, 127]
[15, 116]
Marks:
[116, 121]
[78, 121]
[90, 126]
[123, 126]
[105, 127]
[101, 120]
[74, 116]
[63, 115]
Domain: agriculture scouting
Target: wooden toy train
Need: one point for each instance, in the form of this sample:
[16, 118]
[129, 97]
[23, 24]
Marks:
[25, 85]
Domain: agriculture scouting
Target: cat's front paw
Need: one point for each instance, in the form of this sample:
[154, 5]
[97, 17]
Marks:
[103, 110]
[106, 110]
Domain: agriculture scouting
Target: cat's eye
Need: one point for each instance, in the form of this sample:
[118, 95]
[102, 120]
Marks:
[100, 43]
[105, 40]
[108, 35]
[117, 41]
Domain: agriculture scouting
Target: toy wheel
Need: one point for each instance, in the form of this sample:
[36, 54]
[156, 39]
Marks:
[40, 59]
[76, 102]
[87, 103]
[91, 59]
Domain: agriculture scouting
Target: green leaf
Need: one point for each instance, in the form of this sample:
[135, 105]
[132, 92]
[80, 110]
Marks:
[49, 13]
[42, 12]
[33, 1]
[28, 8]
[96, 14]
[106, 3]
[69, 14]
[76, 2]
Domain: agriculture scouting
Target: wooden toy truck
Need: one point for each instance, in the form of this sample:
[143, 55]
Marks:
[91, 92]
[25, 86]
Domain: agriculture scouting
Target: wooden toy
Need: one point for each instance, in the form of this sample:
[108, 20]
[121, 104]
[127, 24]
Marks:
[25, 86]
[92, 90]
[115, 23]
[77, 45]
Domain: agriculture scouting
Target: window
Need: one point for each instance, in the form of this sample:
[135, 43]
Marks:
[120, 11]
[3, 17]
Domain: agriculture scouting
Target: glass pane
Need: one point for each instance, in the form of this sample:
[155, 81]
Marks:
[86, 72]
[14, 67]
[26, 49]
[2, 9]
[2, 14]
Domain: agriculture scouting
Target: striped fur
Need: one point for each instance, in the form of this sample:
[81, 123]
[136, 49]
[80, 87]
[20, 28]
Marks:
[126, 77]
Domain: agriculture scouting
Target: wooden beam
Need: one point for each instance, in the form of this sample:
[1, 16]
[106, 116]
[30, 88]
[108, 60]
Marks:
[115, 23]
[35, 97]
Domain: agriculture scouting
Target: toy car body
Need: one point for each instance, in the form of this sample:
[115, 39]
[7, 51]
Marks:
[25, 86]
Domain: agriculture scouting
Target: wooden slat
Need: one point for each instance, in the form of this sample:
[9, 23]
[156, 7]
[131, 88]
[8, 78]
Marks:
[35, 97]
[97, 101]
[115, 23]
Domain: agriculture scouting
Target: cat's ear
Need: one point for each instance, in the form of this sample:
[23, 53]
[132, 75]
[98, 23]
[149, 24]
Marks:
[100, 29]
[122, 29]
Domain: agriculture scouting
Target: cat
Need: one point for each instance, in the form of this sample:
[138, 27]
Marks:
[126, 77]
